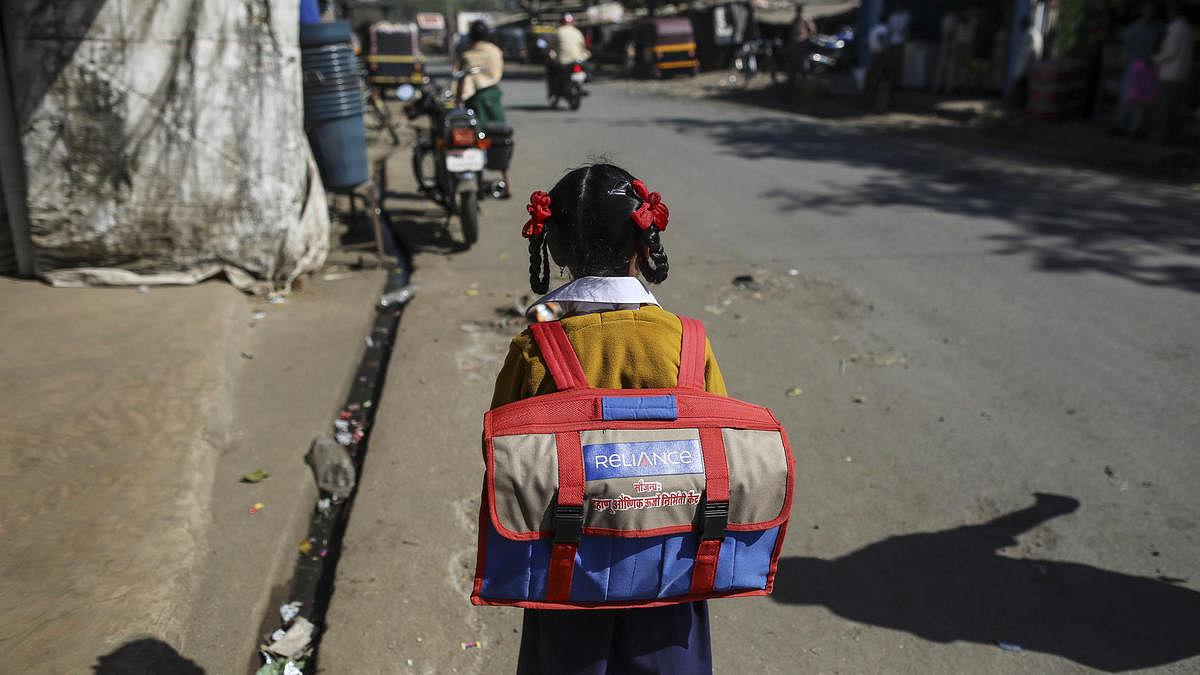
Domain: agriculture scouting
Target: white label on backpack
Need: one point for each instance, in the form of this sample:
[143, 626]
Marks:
[603, 461]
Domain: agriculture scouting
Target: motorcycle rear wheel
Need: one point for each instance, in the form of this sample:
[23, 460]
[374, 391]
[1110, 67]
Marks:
[468, 215]
[574, 97]
[741, 71]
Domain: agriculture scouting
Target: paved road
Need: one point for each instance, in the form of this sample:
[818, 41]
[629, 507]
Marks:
[996, 436]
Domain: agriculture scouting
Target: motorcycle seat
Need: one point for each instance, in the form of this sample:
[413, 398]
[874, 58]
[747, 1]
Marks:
[497, 130]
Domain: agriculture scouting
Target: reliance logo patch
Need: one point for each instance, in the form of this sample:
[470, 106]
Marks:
[643, 458]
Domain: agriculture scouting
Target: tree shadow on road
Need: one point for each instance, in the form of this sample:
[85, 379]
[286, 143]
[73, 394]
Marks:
[1065, 220]
[146, 655]
[951, 585]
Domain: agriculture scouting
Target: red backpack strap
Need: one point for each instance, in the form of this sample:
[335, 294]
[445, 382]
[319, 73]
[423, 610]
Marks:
[691, 355]
[714, 511]
[568, 516]
[559, 355]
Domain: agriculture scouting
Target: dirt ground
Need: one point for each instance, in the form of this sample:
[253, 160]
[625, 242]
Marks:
[129, 417]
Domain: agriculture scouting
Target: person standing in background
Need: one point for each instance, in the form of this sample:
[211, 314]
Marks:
[803, 29]
[1137, 46]
[1174, 63]
[964, 48]
[1028, 50]
[898, 23]
[878, 67]
[942, 78]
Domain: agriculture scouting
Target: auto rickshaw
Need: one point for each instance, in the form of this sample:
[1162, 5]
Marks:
[431, 32]
[662, 45]
[394, 55]
[540, 39]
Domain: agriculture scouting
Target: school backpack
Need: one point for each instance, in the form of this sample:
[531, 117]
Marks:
[607, 498]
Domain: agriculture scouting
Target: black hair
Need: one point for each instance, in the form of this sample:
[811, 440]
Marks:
[589, 229]
[478, 31]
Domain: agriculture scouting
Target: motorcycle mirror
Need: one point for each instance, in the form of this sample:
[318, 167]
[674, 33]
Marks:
[405, 92]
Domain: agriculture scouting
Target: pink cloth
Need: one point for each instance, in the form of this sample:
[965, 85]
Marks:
[1143, 85]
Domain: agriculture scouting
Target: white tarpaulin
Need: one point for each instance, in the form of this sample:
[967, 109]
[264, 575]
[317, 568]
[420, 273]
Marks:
[164, 141]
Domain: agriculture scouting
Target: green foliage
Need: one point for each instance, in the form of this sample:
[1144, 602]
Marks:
[1071, 17]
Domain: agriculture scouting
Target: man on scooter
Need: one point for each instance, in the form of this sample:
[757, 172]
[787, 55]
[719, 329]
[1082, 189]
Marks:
[571, 47]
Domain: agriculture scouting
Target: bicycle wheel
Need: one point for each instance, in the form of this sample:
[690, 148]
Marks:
[385, 117]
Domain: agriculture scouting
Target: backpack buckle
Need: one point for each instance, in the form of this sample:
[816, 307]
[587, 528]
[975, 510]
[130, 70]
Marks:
[714, 517]
[568, 523]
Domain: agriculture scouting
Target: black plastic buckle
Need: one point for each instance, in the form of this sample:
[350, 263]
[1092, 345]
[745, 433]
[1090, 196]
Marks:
[714, 517]
[568, 523]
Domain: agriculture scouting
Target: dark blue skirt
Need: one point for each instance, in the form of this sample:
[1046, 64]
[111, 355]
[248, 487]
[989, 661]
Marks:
[671, 639]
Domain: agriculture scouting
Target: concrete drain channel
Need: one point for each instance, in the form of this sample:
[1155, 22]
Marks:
[294, 648]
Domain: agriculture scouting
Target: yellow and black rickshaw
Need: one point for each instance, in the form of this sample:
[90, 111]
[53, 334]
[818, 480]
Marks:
[665, 45]
[539, 39]
[394, 55]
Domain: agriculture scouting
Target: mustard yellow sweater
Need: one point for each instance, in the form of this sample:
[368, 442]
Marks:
[624, 349]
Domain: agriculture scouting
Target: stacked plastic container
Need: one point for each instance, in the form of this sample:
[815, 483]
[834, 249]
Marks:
[333, 104]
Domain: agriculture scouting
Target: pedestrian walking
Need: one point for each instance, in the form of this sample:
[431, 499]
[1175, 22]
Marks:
[604, 227]
[1174, 63]
[1138, 83]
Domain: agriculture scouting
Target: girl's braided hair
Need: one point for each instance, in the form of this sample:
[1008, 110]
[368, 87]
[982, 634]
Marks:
[591, 232]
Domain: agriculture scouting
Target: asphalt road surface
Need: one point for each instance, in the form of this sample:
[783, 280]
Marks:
[996, 435]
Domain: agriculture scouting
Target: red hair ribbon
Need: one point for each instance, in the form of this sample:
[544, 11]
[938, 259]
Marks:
[539, 211]
[652, 211]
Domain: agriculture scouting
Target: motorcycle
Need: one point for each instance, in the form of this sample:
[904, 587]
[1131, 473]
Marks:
[456, 147]
[829, 53]
[566, 82]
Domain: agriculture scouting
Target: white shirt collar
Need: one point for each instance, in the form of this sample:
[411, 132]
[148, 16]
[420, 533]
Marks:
[591, 294]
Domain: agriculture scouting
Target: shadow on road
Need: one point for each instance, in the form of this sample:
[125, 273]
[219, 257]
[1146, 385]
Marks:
[420, 225]
[536, 108]
[1066, 221]
[146, 655]
[952, 585]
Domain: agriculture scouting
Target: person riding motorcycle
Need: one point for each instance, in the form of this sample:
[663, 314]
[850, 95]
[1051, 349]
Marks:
[571, 47]
[482, 65]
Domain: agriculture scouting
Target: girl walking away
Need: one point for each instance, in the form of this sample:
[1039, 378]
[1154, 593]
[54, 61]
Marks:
[605, 227]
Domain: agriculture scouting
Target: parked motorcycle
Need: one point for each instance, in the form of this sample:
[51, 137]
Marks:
[754, 57]
[831, 52]
[566, 82]
[457, 148]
